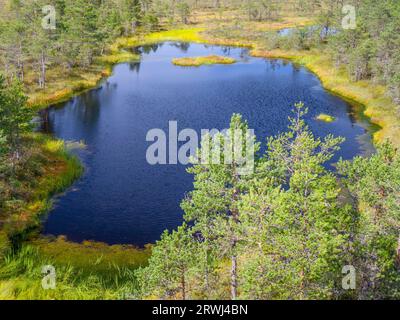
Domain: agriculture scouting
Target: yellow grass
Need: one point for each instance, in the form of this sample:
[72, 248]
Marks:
[200, 61]
[325, 118]
[118, 57]
[61, 88]
[95, 256]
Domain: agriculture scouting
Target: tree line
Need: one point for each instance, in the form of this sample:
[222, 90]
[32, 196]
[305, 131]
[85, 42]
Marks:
[83, 29]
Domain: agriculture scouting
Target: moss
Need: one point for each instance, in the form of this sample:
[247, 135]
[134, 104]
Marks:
[325, 118]
[184, 35]
[200, 61]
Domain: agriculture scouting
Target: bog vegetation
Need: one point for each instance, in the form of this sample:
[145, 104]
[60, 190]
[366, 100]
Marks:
[285, 232]
[200, 61]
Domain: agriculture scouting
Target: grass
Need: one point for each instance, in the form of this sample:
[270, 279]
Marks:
[57, 171]
[60, 89]
[200, 61]
[21, 278]
[92, 255]
[325, 118]
[78, 80]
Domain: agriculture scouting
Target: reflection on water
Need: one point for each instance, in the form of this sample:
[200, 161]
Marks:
[123, 199]
[323, 31]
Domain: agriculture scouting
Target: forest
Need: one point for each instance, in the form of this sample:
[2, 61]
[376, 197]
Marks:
[293, 229]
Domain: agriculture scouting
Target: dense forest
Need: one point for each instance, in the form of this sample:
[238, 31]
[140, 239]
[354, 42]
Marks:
[288, 231]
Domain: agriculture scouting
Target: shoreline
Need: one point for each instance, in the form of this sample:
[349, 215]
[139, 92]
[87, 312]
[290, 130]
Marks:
[378, 108]
[194, 35]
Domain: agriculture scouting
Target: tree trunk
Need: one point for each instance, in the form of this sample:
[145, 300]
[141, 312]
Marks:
[183, 286]
[133, 27]
[42, 76]
[398, 252]
[206, 275]
[234, 277]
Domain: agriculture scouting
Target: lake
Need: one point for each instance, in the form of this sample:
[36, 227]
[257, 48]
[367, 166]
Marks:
[121, 198]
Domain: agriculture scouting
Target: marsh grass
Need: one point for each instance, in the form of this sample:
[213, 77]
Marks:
[48, 170]
[21, 278]
[200, 61]
[325, 118]
[96, 256]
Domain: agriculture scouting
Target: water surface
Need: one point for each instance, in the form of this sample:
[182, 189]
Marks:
[123, 199]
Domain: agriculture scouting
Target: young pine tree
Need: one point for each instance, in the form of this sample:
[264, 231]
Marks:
[297, 229]
[219, 184]
[15, 117]
[170, 265]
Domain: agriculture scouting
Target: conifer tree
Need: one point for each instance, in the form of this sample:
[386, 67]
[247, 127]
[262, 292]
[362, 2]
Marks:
[169, 266]
[213, 205]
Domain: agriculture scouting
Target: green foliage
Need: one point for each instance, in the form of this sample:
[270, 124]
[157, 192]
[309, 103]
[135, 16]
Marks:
[15, 117]
[184, 11]
[170, 264]
[372, 49]
[286, 231]
[299, 229]
[375, 186]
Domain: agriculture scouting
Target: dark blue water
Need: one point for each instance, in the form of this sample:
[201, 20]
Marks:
[123, 199]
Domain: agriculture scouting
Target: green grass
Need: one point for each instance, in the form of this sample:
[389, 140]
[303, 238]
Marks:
[21, 278]
[49, 171]
[94, 256]
[200, 61]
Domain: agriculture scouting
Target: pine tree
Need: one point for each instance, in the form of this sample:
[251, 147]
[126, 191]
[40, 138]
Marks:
[296, 227]
[213, 205]
[15, 116]
[374, 184]
[169, 266]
